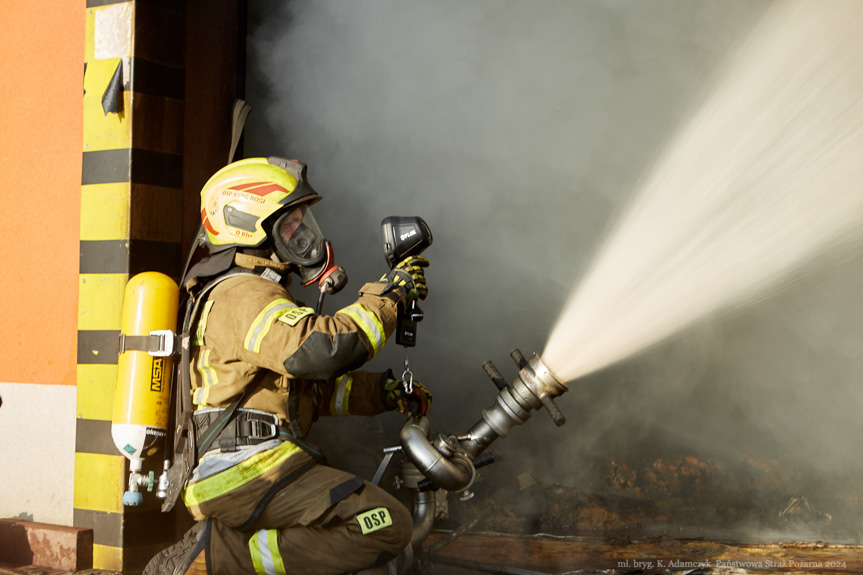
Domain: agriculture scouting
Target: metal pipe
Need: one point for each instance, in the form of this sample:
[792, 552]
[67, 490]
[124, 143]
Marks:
[453, 474]
[533, 388]
[423, 511]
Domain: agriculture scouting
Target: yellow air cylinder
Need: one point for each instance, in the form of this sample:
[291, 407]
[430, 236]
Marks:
[142, 394]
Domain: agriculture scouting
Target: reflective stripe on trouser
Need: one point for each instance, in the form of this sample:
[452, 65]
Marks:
[327, 522]
[264, 550]
[225, 482]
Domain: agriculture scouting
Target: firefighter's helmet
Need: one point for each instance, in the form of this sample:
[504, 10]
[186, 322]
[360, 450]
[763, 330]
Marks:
[251, 200]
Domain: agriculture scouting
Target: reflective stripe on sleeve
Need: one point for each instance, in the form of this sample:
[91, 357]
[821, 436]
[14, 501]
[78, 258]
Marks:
[225, 481]
[208, 378]
[202, 324]
[368, 323]
[261, 325]
[264, 549]
[342, 395]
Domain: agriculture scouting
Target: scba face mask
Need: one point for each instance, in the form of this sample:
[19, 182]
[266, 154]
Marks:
[298, 239]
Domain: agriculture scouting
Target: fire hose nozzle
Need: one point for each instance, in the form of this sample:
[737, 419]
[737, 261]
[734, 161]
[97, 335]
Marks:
[451, 461]
[541, 383]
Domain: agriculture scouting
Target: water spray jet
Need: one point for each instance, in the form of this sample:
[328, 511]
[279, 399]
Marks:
[762, 179]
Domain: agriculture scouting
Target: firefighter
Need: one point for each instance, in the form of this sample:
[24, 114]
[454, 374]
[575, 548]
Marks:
[264, 500]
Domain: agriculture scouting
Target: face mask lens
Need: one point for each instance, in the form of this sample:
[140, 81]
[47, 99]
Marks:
[299, 238]
[290, 224]
[302, 243]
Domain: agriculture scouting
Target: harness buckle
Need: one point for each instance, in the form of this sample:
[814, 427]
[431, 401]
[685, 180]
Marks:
[158, 343]
[167, 343]
[261, 429]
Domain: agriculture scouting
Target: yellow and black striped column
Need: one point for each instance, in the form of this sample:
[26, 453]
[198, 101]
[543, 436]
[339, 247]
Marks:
[131, 205]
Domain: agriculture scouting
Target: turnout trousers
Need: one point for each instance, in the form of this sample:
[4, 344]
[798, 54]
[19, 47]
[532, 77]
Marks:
[325, 521]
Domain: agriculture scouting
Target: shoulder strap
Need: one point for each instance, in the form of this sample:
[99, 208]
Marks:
[209, 435]
[186, 452]
[183, 458]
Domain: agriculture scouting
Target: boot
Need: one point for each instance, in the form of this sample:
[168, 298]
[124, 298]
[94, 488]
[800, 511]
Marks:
[186, 557]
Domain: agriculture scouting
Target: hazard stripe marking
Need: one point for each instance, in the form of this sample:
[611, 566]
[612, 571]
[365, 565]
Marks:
[107, 527]
[158, 80]
[108, 557]
[96, 391]
[104, 257]
[136, 165]
[98, 346]
[106, 167]
[105, 211]
[131, 212]
[129, 257]
[98, 495]
[100, 300]
[94, 436]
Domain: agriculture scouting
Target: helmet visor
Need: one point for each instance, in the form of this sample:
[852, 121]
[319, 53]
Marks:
[297, 237]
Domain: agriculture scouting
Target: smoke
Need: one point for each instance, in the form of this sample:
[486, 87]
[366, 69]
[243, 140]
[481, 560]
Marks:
[764, 176]
[518, 131]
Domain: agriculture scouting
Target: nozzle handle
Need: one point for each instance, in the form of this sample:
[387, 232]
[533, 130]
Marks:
[493, 374]
[518, 358]
[486, 458]
[556, 415]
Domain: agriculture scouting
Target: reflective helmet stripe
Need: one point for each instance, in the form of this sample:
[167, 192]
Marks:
[261, 325]
[368, 323]
[264, 549]
[207, 225]
[223, 482]
[341, 398]
[261, 188]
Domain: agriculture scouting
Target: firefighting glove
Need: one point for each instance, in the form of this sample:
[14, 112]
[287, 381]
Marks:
[408, 277]
[418, 402]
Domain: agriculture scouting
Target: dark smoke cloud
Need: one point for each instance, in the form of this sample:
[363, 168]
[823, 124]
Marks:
[518, 130]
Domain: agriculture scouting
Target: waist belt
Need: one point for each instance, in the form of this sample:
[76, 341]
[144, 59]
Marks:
[248, 427]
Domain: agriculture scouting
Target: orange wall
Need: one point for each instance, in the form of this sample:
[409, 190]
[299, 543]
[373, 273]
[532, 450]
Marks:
[41, 73]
